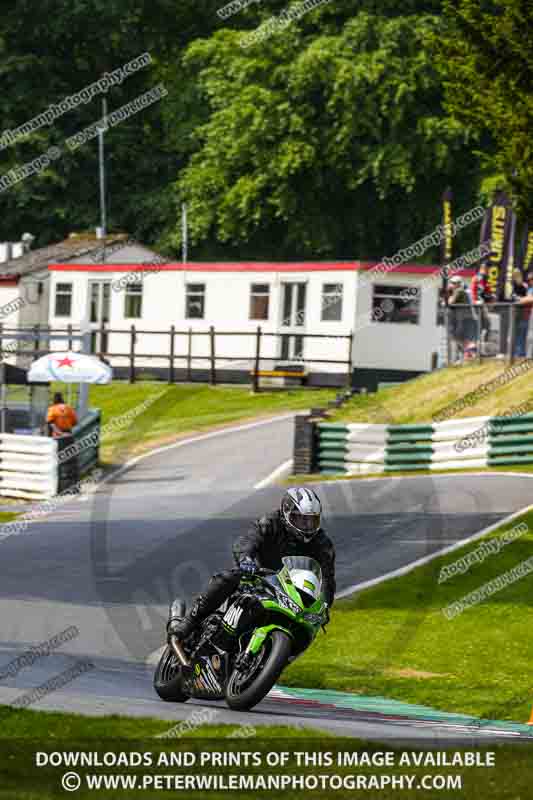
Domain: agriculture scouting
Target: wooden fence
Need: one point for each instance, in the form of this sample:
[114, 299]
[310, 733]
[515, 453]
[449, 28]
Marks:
[37, 336]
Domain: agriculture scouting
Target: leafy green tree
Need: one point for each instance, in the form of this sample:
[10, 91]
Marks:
[332, 145]
[486, 59]
[54, 48]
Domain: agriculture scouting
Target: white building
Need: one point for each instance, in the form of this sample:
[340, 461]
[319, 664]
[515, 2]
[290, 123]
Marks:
[306, 311]
[25, 286]
[393, 317]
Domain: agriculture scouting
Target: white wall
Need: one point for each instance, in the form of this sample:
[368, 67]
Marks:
[227, 307]
[227, 304]
[394, 345]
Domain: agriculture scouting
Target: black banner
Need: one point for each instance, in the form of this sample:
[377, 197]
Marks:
[498, 230]
[525, 251]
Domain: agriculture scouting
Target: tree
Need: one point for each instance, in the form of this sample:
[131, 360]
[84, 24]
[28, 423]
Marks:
[52, 49]
[486, 60]
[332, 145]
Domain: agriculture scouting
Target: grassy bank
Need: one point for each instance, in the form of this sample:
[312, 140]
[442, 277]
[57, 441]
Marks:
[7, 516]
[421, 399]
[184, 409]
[393, 640]
[26, 776]
[27, 724]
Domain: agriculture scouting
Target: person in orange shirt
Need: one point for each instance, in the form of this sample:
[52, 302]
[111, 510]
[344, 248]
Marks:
[61, 417]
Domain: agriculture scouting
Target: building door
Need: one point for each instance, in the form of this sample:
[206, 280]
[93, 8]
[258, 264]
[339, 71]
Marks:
[293, 308]
[99, 303]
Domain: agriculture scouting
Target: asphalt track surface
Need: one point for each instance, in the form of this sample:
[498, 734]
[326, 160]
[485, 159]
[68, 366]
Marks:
[109, 563]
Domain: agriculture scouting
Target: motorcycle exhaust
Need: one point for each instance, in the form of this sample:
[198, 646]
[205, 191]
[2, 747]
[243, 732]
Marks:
[179, 652]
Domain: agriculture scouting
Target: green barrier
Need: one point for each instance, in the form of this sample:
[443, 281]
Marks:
[504, 460]
[517, 448]
[405, 457]
[336, 454]
[333, 472]
[396, 438]
[516, 427]
[409, 447]
[407, 467]
[511, 439]
[423, 428]
[333, 436]
[329, 462]
[526, 418]
[333, 426]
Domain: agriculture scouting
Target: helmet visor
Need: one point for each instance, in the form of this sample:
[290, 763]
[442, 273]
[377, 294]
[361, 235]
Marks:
[307, 524]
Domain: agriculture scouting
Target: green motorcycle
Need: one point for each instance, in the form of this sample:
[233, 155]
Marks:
[239, 652]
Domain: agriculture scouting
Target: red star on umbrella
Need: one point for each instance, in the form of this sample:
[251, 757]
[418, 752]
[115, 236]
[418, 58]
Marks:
[65, 362]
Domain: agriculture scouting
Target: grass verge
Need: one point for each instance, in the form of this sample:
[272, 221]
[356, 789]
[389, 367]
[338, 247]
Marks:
[394, 640]
[7, 516]
[184, 409]
[30, 724]
[39, 748]
[421, 399]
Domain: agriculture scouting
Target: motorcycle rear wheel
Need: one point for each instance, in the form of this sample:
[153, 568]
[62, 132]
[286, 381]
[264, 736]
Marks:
[242, 695]
[167, 678]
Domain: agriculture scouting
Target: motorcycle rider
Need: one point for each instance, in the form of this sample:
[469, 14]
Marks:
[292, 530]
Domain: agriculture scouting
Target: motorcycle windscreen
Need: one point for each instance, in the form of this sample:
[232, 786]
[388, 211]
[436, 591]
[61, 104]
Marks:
[299, 566]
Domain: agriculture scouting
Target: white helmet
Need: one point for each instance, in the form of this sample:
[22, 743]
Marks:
[307, 584]
[300, 511]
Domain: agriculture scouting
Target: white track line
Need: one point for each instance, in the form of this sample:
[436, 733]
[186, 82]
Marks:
[396, 573]
[462, 474]
[387, 477]
[277, 473]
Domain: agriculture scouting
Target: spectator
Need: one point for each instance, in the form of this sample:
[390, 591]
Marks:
[526, 301]
[480, 293]
[461, 320]
[520, 289]
[61, 417]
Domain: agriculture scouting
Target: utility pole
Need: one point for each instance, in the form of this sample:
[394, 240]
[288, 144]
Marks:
[101, 165]
[184, 232]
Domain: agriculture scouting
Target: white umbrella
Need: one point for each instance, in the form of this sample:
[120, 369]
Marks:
[69, 367]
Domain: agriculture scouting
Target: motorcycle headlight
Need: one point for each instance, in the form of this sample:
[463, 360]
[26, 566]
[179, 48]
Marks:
[314, 619]
[286, 602]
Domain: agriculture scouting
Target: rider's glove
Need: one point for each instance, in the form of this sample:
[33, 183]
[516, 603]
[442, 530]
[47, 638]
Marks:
[248, 566]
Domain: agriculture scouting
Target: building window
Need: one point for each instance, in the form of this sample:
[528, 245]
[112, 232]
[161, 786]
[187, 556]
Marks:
[331, 302]
[195, 301]
[63, 306]
[396, 304]
[259, 300]
[133, 301]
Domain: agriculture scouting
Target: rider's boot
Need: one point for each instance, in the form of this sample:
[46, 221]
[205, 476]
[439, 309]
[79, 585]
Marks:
[182, 626]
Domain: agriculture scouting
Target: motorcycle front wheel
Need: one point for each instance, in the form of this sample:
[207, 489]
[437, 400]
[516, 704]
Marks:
[245, 689]
[167, 678]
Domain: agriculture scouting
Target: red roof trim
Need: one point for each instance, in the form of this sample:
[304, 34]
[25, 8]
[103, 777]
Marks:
[254, 266]
[244, 266]
[9, 280]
